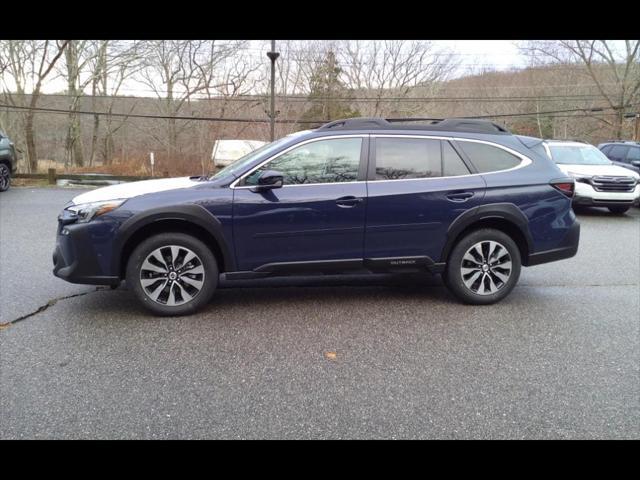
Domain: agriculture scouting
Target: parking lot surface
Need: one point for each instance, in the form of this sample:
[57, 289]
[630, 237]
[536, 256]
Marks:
[363, 357]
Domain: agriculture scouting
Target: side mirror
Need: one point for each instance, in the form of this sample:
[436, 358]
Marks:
[635, 163]
[268, 180]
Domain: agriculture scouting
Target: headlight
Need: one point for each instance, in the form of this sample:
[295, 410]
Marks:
[88, 211]
[580, 177]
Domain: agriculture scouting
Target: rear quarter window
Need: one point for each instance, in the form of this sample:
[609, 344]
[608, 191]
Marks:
[487, 158]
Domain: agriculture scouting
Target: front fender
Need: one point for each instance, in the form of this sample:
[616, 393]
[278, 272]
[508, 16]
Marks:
[195, 214]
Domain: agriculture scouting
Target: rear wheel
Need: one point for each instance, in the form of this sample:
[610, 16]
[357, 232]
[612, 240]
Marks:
[172, 274]
[483, 267]
[5, 177]
[618, 210]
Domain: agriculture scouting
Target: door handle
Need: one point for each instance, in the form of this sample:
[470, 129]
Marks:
[460, 196]
[348, 202]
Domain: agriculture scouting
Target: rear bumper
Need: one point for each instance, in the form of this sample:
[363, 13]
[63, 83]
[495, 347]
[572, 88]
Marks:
[567, 249]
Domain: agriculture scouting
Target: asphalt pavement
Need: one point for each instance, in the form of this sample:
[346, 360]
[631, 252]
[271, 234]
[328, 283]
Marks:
[321, 357]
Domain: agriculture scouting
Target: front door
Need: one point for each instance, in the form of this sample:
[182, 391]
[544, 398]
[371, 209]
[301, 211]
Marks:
[317, 215]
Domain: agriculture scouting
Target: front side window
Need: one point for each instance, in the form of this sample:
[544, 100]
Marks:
[404, 158]
[324, 161]
[578, 155]
[487, 158]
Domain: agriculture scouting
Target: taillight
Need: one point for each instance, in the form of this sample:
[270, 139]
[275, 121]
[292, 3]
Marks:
[565, 187]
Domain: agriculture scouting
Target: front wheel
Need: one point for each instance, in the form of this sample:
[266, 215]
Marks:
[172, 274]
[5, 177]
[618, 210]
[483, 267]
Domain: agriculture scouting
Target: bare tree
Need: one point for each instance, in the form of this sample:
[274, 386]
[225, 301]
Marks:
[27, 63]
[114, 63]
[391, 69]
[614, 70]
[224, 86]
[177, 70]
[78, 56]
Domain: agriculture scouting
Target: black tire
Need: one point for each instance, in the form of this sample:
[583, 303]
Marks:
[5, 177]
[618, 210]
[455, 279]
[208, 281]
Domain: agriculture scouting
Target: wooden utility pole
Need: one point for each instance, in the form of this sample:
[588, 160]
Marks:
[636, 135]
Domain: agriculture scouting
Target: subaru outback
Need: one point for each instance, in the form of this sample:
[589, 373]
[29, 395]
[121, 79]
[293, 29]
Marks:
[462, 198]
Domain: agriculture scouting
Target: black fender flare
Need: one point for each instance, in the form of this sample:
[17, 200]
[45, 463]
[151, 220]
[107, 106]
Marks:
[500, 211]
[190, 213]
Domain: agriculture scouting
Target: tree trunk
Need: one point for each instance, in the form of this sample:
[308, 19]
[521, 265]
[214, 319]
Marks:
[619, 121]
[96, 123]
[94, 139]
[74, 151]
[30, 140]
[75, 154]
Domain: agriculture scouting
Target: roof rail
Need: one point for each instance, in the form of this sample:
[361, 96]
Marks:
[442, 124]
[356, 123]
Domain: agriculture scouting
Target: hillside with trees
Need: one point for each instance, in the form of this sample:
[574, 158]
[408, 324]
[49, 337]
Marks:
[120, 100]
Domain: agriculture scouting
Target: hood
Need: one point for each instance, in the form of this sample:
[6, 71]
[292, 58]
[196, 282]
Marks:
[613, 170]
[133, 189]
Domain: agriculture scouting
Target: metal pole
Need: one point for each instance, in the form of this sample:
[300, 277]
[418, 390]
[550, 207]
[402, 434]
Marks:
[273, 55]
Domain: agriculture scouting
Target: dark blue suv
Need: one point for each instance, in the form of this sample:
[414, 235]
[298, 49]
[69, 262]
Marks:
[461, 198]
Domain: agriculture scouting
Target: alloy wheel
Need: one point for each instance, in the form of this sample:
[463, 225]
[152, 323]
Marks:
[172, 275]
[486, 267]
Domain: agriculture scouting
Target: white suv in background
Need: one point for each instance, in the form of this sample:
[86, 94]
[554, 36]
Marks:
[599, 183]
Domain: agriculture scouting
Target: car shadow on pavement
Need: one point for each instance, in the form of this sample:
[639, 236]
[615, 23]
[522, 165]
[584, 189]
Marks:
[284, 294]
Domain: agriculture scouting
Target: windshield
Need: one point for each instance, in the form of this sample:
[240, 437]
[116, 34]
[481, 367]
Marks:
[578, 155]
[239, 164]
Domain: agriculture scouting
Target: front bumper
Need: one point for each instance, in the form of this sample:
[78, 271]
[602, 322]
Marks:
[587, 196]
[74, 259]
[592, 202]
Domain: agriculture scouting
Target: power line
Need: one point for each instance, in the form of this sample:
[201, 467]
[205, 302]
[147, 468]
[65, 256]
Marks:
[533, 114]
[158, 117]
[302, 98]
[587, 111]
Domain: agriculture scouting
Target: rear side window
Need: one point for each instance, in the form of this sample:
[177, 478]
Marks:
[487, 158]
[404, 158]
[633, 154]
[618, 152]
[452, 164]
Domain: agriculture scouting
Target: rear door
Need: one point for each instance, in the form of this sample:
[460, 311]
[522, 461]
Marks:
[417, 186]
